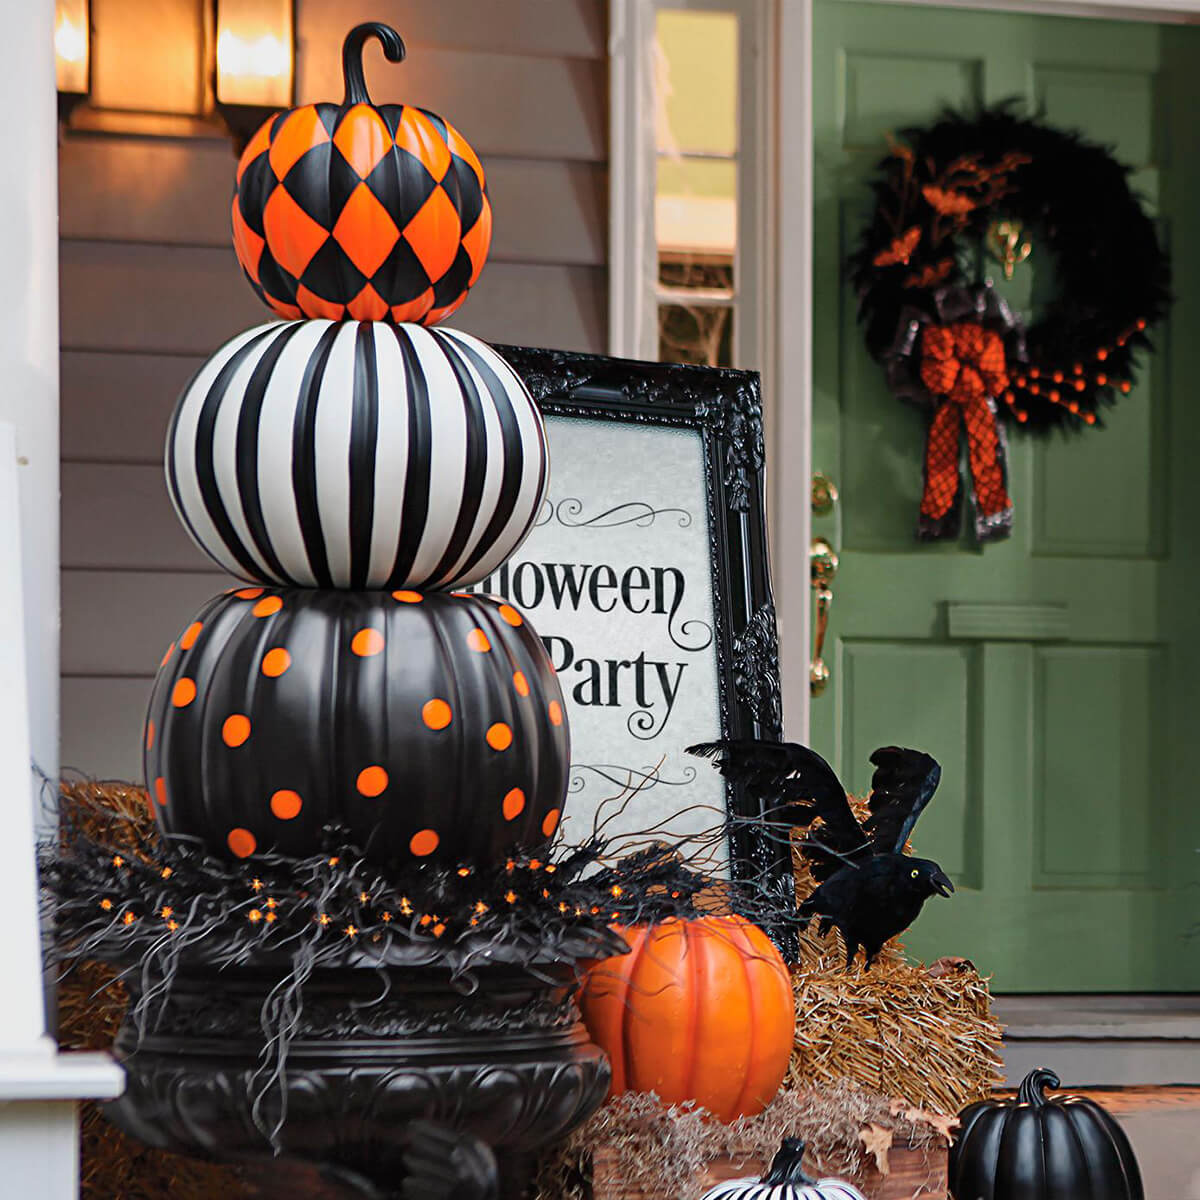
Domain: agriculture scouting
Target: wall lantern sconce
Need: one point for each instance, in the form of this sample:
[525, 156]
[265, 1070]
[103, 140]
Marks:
[174, 68]
[72, 53]
[255, 63]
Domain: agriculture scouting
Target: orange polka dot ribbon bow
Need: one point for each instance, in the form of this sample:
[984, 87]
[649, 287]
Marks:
[955, 363]
[963, 367]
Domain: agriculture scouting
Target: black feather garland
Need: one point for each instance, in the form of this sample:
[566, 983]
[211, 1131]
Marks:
[115, 892]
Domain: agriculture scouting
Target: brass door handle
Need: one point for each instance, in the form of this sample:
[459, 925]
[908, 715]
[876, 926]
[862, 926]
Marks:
[824, 494]
[823, 565]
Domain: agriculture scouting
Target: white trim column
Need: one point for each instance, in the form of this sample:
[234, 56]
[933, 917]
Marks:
[38, 1086]
[790, 319]
[632, 259]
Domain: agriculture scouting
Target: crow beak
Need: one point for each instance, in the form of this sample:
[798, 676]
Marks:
[942, 884]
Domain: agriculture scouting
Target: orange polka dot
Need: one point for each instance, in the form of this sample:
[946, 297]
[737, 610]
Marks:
[236, 730]
[267, 606]
[160, 791]
[424, 842]
[556, 713]
[367, 642]
[242, 842]
[165, 657]
[550, 824]
[190, 634]
[407, 597]
[521, 683]
[184, 692]
[249, 593]
[372, 781]
[511, 615]
[478, 641]
[514, 804]
[286, 804]
[276, 661]
[149, 734]
[436, 714]
[499, 736]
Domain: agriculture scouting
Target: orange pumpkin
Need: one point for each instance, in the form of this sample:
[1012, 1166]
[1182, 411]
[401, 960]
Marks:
[698, 1010]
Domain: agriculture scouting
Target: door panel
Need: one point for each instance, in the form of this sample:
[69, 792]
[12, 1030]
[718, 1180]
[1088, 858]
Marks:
[1053, 673]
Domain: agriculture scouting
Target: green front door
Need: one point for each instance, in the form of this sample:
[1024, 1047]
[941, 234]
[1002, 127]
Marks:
[1055, 675]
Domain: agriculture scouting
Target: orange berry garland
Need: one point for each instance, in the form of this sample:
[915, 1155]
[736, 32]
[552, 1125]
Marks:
[426, 727]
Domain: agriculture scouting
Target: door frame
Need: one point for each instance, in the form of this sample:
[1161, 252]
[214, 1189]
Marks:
[784, 94]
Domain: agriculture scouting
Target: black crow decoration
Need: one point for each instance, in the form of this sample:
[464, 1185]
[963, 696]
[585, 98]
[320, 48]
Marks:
[869, 888]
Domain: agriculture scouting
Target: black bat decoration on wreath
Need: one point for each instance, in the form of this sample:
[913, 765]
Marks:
[868, 887]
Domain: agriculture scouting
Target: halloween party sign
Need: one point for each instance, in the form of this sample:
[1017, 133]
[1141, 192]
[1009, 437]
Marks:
[646, 577]
[616, 577]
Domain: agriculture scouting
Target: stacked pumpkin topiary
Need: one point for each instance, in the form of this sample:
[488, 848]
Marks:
[353, 469]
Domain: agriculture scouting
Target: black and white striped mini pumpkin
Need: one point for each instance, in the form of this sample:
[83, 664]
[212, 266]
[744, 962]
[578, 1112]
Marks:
[356, 455]
[785, 1180]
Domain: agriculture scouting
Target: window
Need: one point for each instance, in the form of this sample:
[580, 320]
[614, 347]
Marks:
[695, 187]
[690, 221]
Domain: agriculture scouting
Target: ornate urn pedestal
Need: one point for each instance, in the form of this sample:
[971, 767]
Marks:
[499, 1054]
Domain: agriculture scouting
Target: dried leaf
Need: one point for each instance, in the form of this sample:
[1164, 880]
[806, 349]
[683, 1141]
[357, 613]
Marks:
[921, 1116]
[878, 1142]
[950, 965]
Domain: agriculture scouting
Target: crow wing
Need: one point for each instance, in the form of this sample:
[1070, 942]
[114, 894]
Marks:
[903, 784]
[794, 785]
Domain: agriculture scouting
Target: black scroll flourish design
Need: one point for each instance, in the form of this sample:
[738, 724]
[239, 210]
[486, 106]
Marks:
[756, 670]
[633, 512]
[686, 629]
[545, 514]
[621, 776]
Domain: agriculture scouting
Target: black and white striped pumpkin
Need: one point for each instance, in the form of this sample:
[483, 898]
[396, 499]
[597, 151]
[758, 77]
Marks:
[356, 455]
[785, 1180]
[429, 726]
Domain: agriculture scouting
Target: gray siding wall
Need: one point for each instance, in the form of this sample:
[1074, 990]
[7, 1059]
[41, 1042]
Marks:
[150, 288]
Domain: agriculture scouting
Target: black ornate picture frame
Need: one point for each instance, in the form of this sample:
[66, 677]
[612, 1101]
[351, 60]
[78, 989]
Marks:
[724, 406]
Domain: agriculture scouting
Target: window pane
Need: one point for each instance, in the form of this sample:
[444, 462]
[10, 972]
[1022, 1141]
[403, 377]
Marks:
[695, 333]
[696, 182]
[697, 82]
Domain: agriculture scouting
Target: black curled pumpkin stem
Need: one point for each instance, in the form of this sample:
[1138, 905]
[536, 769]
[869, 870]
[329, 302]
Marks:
[786, 1165]
[1033, 1086]
[352, 56]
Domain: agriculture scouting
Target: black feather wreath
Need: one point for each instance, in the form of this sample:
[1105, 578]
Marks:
[938, 193]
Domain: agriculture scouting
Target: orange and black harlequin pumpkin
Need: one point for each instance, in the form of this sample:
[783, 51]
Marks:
[697, 1010]
[362, 211]
[429, 726]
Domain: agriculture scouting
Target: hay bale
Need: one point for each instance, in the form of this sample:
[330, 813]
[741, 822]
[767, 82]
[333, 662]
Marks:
[924, 1035]
[90, 1009]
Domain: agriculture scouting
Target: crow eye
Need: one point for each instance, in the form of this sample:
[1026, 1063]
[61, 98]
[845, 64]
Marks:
[915, 874]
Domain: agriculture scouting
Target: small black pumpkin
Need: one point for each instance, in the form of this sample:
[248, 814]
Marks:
[1037, 1148]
